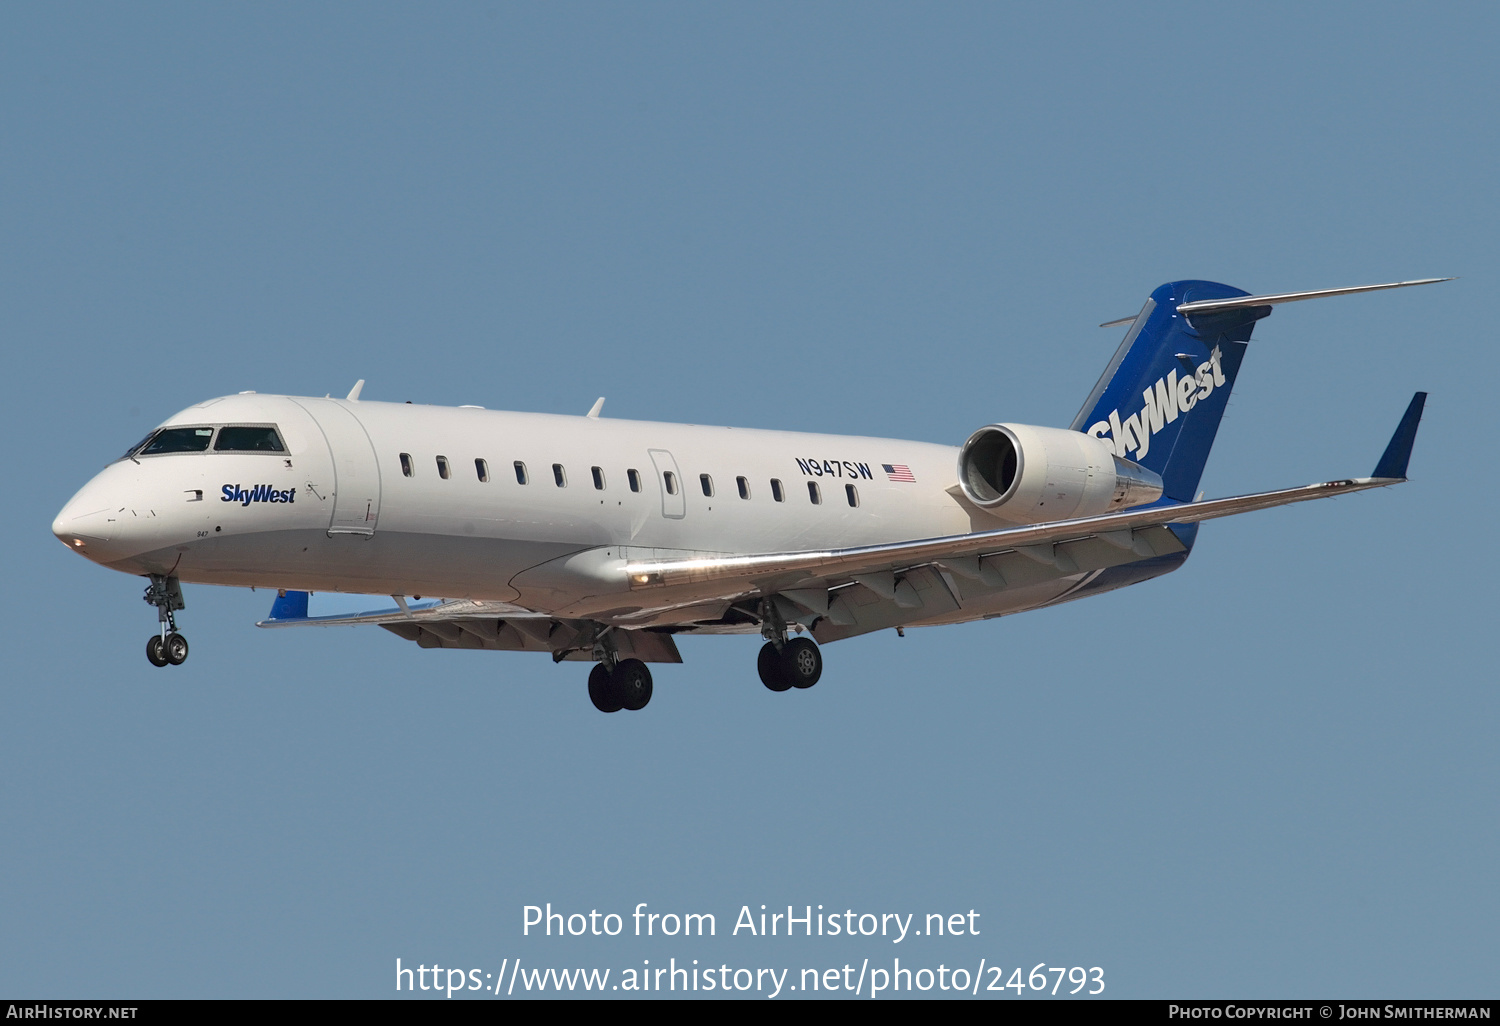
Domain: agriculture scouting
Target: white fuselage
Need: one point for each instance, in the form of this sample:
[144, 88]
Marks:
[357, 502]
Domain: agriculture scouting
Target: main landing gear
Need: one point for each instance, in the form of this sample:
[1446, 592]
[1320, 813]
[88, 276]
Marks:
[799, 664]
[785, 664]
[626, 686]
[616, 683]
[168, 647]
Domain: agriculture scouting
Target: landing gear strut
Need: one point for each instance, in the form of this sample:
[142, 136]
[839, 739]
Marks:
[785, 664]
[168, 647]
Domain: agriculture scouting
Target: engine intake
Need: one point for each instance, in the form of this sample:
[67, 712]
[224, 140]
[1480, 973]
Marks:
[1034, 474]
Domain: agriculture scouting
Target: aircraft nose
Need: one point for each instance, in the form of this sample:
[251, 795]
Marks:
[60, 527]
[87, 524]
[78, 531]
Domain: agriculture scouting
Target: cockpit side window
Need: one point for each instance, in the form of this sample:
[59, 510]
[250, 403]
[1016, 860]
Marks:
[248, 439]
[185, 439]
[138, 446]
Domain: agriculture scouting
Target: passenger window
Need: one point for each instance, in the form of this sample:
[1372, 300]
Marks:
[559, 475]
[708, 485]
[406, 470]
[744, 487]
[248, 439]
[172, 440]
[852, 494]
[482, 469]
[776, 492]
[442, 462]
[598, 478]
[671, 480]
[634, 477]
[520, 472]
[813, 494]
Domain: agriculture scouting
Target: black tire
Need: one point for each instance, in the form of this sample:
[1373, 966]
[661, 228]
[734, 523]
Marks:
[632, 680]
[156, 651]
[176, 649]
[801, 662]
[602, 690]
[769, 665]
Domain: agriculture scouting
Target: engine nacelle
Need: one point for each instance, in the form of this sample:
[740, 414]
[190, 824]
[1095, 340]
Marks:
[1035, 474]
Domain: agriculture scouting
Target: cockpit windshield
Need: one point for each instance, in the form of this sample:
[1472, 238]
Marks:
[231, 438]
[169, 440]
[248, 439]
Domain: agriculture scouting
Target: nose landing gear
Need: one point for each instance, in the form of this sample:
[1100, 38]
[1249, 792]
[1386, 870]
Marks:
[168, 647]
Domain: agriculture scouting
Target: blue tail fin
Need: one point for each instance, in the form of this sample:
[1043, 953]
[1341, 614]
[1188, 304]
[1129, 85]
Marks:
[1161, 398]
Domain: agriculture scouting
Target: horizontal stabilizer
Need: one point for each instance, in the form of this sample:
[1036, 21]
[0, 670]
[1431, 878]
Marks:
[1245, 302]
[1241, 302]
[1398, 453]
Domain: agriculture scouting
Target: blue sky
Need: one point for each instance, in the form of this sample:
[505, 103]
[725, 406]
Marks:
[1271, 773]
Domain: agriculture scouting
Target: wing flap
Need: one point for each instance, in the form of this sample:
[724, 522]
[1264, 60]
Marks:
[860, 610]
[500, 636]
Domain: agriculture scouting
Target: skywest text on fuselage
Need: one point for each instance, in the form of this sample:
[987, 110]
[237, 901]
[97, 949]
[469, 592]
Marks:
[1170, 396]
[257, 493]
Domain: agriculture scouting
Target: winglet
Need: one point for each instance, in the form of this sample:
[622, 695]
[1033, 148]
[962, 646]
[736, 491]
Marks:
[289, 605]
[353, 395]
[1398, 452]
[593, 413]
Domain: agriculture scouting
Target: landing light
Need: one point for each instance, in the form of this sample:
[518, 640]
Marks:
[78, 544]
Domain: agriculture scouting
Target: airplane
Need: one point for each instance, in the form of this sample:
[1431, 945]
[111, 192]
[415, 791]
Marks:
[600, 540]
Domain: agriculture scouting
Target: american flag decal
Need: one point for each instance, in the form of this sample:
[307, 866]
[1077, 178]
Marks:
[898, 472]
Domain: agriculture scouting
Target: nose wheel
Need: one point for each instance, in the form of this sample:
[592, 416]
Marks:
[167, 648]
[171, 650]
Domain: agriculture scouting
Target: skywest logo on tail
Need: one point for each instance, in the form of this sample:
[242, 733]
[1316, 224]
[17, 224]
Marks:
[1166, 399]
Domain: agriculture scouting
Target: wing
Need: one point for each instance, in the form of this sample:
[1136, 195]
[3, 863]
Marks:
[1043, 543]
[1051, 544]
